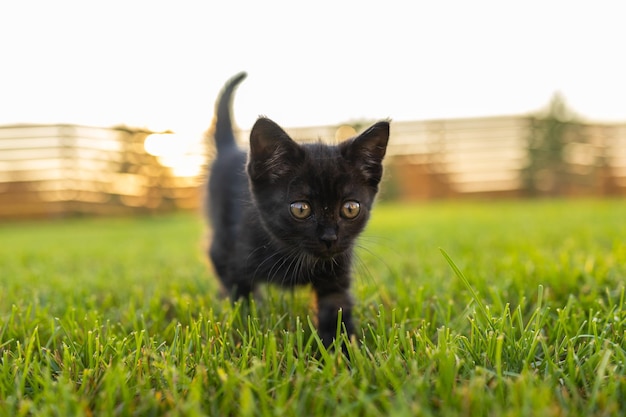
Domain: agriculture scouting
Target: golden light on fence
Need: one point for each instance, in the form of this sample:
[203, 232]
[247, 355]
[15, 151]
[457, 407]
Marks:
[176, 152]
[344, 132]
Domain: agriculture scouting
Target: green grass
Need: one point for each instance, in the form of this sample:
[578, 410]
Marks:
[475, 308]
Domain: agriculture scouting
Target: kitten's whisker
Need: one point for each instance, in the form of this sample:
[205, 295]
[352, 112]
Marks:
[373, 254]
[290, 273]
[266, 260]
[288, 259]
[309, 263]
[375, 238]
[363, 269]
[275, 269]
[254, 251]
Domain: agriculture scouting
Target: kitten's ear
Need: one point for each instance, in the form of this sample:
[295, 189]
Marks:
[367, 151]
[273, 154]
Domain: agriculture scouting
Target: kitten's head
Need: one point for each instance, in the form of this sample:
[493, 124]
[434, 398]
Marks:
[315, 198]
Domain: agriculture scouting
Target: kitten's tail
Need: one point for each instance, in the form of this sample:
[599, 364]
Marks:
[223, 133]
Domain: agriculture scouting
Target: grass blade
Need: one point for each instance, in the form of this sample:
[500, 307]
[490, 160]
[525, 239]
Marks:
[469, 287]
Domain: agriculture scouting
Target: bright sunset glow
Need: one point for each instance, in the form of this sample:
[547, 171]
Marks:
[179, 152]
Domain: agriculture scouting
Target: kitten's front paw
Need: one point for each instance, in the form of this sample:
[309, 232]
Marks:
[328, 322]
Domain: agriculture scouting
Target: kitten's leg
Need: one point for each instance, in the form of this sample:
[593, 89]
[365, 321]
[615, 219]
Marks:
[219, 258]
[328, 306]
[236, 284]
[241, 290]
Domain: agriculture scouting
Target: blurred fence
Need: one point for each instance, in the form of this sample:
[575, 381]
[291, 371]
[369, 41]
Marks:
[444, 158]
[507, 156]
[56, 170]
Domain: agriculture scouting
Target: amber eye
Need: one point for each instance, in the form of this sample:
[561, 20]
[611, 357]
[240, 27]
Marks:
[300, 210]
[350, 209]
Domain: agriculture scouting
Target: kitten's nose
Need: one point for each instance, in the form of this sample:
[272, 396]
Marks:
[329, 237]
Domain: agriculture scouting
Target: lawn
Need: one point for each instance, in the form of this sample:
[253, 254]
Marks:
[471, 309]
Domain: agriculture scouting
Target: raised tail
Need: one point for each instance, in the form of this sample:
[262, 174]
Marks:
[223, 133]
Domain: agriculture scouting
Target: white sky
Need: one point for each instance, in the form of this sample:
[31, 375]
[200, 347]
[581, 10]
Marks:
[160, 65]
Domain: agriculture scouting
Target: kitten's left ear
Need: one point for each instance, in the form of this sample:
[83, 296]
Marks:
[367, 151]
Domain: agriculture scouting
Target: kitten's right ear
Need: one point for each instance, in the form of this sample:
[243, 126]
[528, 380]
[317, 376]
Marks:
[273, 154]
[367, 151]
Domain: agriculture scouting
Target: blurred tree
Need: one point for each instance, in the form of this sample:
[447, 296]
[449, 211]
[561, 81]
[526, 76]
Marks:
[546, 172]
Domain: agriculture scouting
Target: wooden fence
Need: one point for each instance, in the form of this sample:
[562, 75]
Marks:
[496, 156]
[56, 170]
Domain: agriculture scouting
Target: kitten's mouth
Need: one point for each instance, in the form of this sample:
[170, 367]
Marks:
[327, 252]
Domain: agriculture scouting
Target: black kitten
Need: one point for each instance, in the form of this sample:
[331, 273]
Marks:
[289, 213]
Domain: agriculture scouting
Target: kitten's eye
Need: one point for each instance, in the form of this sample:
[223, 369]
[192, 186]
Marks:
[300, 210]
[350, 209]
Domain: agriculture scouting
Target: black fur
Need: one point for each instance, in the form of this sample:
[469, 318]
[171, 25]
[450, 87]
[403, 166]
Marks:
[257, 239]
